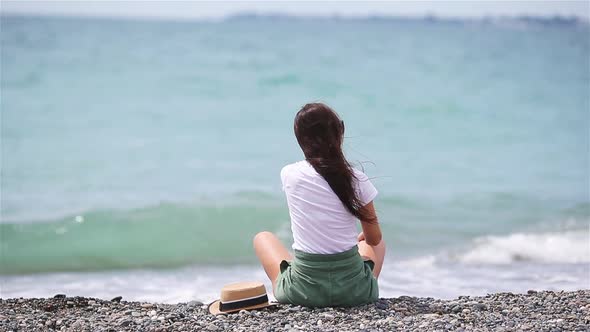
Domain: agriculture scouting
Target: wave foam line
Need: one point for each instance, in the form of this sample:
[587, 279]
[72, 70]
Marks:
[554, 247]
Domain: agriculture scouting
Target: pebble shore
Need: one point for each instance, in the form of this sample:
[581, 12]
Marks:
[534, 311]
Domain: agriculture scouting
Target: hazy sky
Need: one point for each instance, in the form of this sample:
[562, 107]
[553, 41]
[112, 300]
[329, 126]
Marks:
[195, 9]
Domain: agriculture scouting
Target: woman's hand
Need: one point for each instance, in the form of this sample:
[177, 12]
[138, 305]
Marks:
[361, 237]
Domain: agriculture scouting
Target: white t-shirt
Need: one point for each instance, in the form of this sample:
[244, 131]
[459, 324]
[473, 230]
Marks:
[321, 224]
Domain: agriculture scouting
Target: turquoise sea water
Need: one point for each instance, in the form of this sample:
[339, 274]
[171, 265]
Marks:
[140, 152]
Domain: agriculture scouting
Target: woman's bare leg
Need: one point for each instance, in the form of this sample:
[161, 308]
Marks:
[374, 253]
[270, 252]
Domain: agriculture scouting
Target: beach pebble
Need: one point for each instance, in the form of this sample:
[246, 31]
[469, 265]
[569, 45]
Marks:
[328, 316]
[212, 327]
[479, 306]
[194, 303]
[381, 305]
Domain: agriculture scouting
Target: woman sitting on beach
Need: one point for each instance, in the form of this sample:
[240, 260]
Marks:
[333, 266]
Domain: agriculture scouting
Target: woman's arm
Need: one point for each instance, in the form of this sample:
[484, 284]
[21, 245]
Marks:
[371, 230]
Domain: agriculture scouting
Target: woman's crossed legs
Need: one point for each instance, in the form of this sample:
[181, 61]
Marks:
[271, 252]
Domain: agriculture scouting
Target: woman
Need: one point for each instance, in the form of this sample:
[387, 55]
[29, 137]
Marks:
[326, 197]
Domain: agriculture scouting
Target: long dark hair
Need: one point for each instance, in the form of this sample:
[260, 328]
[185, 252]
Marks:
[320, 133]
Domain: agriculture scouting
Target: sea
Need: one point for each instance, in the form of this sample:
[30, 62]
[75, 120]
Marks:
[140, 157]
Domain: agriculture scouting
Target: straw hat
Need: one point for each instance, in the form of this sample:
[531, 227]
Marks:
[240, 296]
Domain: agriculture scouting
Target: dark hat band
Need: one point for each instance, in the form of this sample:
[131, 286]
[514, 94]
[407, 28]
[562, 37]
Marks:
[243, 303]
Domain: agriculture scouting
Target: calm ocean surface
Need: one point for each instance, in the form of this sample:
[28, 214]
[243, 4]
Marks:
[139, 158]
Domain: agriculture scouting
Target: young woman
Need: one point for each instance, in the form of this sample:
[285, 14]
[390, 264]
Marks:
[333, 266]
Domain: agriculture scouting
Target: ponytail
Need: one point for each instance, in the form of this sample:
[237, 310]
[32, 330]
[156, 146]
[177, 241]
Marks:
[320, 133]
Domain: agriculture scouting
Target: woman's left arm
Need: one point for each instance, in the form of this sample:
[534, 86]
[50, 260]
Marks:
[371, 229]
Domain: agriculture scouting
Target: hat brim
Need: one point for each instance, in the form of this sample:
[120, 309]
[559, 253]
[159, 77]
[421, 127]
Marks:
[214, 308]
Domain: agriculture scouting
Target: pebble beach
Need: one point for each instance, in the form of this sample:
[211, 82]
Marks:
[534, 311]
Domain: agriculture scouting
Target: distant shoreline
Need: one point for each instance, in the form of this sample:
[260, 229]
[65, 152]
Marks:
[534, 311]
[556, 20]
[553, 20]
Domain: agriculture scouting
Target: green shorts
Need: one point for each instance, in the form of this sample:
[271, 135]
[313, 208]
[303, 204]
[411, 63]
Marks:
[334, 280]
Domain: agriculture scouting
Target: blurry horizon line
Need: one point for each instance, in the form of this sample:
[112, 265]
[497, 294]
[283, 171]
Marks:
[244, 15]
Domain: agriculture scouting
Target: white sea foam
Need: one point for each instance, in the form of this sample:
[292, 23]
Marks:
[556, 247]
[422, 262]
[428, 275]
[167, 286]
